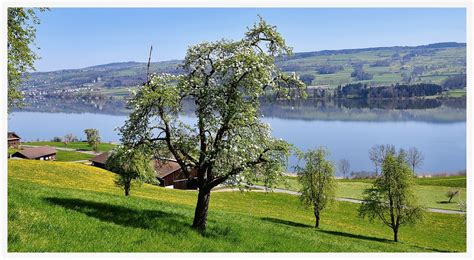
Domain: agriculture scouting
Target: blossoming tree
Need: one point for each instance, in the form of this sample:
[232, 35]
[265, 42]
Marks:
[228, 143]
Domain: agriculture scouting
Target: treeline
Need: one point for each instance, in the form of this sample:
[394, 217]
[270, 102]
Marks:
[359, 73]
[455, 82]
[359, 90]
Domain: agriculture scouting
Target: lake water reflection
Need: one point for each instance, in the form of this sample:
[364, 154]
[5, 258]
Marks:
[440, 133]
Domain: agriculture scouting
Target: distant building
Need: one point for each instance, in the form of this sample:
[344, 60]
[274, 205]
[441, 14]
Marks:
[13, 140]
[99, 160]
[169, 173]
[37, 153]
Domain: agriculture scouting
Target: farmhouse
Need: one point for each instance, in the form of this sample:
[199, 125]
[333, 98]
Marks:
[99, 160]
[169, 173]
[13, 140]
[37, 153]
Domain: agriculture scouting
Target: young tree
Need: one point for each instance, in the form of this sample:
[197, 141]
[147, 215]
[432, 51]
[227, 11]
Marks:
[318, 184]
[307, 79]
[344, 167]
[57, 139]
[415, 158]
[226, 80]
[451, 194]
[21, 57]
[377, 154]
[93, 138]
[391, 198]
[69, 138]
[132, 166]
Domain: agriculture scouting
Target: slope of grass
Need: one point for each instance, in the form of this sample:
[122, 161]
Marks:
[103, 147]
[448, 181]
[431, 192]
[69, 156]
[59, 208]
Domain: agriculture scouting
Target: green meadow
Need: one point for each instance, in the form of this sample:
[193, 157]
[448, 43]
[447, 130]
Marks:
[430, 192]
[53, 207]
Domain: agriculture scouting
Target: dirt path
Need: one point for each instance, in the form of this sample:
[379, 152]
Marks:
[262, 189]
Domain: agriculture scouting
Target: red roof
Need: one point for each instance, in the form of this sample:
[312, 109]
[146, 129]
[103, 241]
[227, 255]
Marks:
[101, 158]
[164, 168]
[13, 136]
[36, 152]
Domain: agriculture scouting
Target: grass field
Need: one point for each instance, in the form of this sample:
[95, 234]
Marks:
[431, 192]
[103, 147]
[456, 93]
[69, 156]
[53, 207]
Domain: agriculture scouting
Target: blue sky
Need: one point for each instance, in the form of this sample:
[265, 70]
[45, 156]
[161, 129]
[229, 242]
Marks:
[76, 38]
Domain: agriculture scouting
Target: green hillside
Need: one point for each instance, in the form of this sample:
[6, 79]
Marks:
[53, 207]
[431, 63]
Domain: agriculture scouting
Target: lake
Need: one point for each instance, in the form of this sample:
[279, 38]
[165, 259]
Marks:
[440, 132]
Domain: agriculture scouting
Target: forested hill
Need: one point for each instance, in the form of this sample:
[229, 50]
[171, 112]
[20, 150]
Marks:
[432, 63]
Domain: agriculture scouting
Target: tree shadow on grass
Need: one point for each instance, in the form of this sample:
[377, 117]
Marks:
[146, 219]
[337, 233]
[443, 202]
[157, 220]
[285, 222]
[349, 235]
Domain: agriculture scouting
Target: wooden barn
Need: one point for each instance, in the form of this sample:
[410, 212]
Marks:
[99, 160]
[13, 140]
[36, 153]
[169, 173]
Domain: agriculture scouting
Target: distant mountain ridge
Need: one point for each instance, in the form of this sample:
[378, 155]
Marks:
[432, 63]
[346, 51]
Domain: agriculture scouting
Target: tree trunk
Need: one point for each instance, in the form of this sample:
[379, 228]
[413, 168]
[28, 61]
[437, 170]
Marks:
[127, 188]
[316, 215]
[395, 234]
[200, 214]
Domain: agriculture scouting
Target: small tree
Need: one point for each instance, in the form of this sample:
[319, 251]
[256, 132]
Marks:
[451, 194]
[20, 50]
[132, 166]
[93, 138]
[377, 154]
[69, 138]
[56, 139]
[344, 167]
[317, 181]
[307, 79]
[391, 198]
[415, 158]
